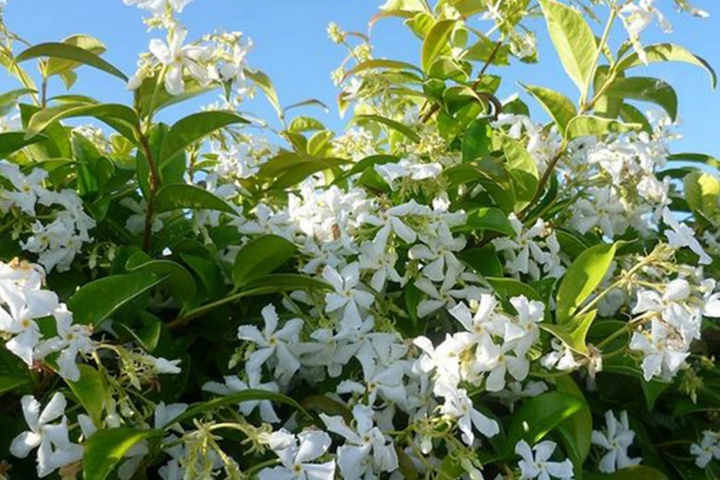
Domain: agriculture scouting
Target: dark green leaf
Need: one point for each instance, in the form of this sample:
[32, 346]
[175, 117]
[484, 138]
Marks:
[104, 449]
[180, 196]
[261, 256]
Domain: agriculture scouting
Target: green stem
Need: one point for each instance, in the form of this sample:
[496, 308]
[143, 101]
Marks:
[598, 54]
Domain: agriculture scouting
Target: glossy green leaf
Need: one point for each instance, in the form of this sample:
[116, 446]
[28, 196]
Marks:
[96, 301]
[179, 281]
[560, 108]
[476, 141]
[573, 333]
[581, 279]
[106, 448]
[11, 142]
[576, 430]
[667, 52]
[70, 52]
[60, 66]
[573, 39]
[539, 415]
[487, 218]
[435, 42]
[261, 256]
[702, 193]
[585, 125]
[181, 196]
[90, 391]
[194, 128]
[288, 281]
[109, 113]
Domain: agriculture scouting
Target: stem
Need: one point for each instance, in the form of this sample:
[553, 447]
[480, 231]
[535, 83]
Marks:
[603, 42]
[43, 92]
[153, 178]
[550, 170]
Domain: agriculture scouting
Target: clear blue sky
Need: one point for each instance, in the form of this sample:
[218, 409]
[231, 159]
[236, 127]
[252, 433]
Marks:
[291, 45]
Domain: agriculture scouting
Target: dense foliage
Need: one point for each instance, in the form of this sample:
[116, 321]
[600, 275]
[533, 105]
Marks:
[447, 289]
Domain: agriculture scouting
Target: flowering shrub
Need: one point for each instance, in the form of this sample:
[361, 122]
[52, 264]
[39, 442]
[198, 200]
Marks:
[448, 289]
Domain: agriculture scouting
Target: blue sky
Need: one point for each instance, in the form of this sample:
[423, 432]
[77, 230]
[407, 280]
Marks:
[291, 45]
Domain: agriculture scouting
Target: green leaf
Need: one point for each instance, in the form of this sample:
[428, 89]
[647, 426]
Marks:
[695, 158]
[404, 129]
[61, 66]
[637, 472]
[523, 171]
[702, 193]
[265, 84]
[667, 52]
[476, 141]
[380, 63]
[647, 90]
[558, 106]
[630, 114]
[487, 218]
[574, 41]
[573, 334]
[538, 416]
[261, 256]
[576, 430]
[582, 278]
[109, 113]
[180, 282]
[179, 196]
[105, 448]
[231, 400]
[70, 52]
[596, 126]
[194, 128]
[11, 142]
[435, 42]
[159, 98]
[90, 392]
[288, 281]
[509, 287]
[483, 260]
[96, 301]
[9, 100]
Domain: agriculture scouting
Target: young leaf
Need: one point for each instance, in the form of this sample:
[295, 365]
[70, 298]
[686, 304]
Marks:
[94, 302]
[265, 84]
[574, 333]
[404, 129]
[193, 128]
[179, 196]
[667, 52]
[105, 448]
[574, 41]
[557, 105]
[380, 63]
[596, 126]
[261, 256]
[9, 100]
[435, 42]
[582, 278]
[70, 52]
[702, 193]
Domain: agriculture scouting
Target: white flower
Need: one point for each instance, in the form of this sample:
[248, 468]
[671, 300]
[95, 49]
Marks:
[537, 465]
[158, 6]
[365, 452]
[459, 406]
[54, 447]
[176, 58]
[707, 449]
[273, 342]
[296, 453]
[28, 188]
[346, 295]
[72, 339]
[664, 348]
[234, 385]
[683, 236]
[616, 438]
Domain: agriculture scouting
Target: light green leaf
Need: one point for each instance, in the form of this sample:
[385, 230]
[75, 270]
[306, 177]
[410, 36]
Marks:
[105, 448]
[9, 100]
[476, 141]
[265, 84]
[194, 128]
[179, 196]
[60, 66]
[435, 42]
[574, 41]
[647, 90]
[667, 52]
[404, 129]
[581, 279]
[596, 126]
[70, 52]
[573, 334]
[261, 256]
[380, 63]
[109, 113]
[702, 193]
[96, 301]
[523, 170]
[558, 106]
